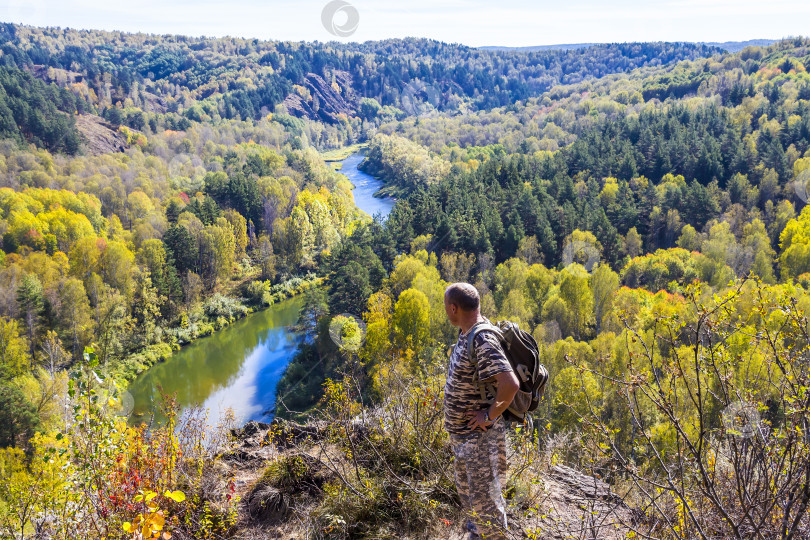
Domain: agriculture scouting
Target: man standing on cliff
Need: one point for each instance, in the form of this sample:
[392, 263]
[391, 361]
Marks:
[477, 431]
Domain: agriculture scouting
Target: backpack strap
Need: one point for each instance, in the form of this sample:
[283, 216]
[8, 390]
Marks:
[478, 327]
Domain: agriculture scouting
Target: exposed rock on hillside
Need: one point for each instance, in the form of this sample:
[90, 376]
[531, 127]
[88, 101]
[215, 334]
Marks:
[575, 505]
[99, 137]
[325, 101]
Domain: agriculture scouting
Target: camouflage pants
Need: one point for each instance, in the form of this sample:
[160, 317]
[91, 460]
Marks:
[480, 470]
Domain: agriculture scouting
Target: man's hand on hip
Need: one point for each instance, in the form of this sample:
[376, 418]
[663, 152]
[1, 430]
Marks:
[478, 420]
[507, 387]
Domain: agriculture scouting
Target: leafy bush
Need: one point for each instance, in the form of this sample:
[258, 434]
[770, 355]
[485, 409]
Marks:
[255, 293]
[222, 306]
[718, 440]
[147, 357]
[395, 477]
[101, 478]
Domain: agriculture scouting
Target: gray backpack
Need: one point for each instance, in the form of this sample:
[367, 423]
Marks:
[524, 356]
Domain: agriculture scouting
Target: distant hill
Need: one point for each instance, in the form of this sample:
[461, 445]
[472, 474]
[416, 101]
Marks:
[736, 46]
[730, 46]
[535, 48]
[169, 81]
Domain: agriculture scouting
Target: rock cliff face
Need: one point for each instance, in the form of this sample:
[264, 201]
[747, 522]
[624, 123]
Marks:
[326, 100]
[98, 136]
[568, 504]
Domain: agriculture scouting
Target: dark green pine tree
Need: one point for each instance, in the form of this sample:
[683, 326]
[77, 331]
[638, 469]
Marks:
[181, 248]
[446, 237]
[514, 234]
[18, 418]
[31, 305]
[349, 289]
[701, 206]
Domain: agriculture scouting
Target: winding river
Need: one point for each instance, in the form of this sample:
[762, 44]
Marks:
[240, 366]
[364, 187]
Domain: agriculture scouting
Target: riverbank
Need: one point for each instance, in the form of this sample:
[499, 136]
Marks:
[336, 158]
[211, 316]
[389, 188]
[340, 154]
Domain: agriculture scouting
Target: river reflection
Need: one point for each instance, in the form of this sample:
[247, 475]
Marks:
[238, 367]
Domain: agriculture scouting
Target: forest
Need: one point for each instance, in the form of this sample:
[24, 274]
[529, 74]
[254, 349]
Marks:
[640, 209]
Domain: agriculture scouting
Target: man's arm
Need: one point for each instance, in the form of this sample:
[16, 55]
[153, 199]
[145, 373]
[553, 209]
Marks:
[507, 386]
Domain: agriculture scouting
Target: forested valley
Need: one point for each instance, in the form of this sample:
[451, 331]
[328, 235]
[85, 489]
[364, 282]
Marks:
[639, 208]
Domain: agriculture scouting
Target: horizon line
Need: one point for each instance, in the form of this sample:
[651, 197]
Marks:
[572, 45]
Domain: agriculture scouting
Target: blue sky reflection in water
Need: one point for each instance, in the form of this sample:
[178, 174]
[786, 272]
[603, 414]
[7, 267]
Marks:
[238, 367]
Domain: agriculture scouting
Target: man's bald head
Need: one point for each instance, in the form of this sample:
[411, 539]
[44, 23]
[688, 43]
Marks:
[464, 295]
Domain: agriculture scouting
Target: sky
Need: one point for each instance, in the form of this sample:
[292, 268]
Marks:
[475, 22]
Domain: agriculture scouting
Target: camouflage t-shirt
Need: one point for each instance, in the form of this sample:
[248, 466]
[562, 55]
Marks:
[460, 394]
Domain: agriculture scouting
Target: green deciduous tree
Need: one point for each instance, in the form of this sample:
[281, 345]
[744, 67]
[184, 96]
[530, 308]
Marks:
[265, 257]
[14, 359]
[794, 243]
[604, 284]
[411, 320]
[74, 315]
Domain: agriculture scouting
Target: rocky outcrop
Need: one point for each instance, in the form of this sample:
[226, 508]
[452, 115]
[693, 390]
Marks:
[98, 136]
[249, 430]
[249, 449]
[326, 101]
[281, 467]
[581, 485]
[575, 505]
[285, 434]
